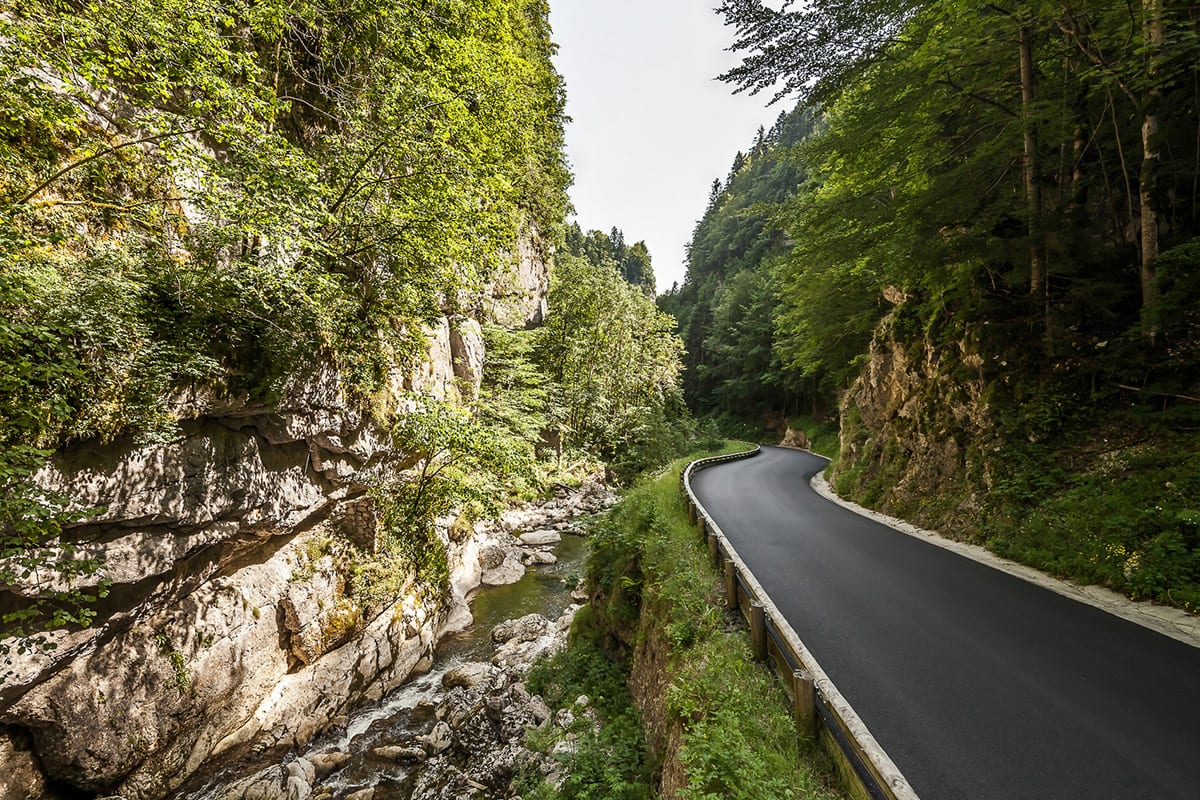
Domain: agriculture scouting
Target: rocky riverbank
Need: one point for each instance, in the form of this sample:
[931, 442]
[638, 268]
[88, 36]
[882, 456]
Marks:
[458, 723]
[466, 737]
[247, 665]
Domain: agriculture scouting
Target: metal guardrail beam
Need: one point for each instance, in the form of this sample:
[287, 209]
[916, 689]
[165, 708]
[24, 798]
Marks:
[816, 701]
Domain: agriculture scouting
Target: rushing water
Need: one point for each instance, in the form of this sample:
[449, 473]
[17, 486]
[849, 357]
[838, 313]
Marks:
[407, 711]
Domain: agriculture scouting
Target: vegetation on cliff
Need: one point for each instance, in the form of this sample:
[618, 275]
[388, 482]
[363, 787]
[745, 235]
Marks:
[988, 258]
[204, 202]
[211, 198]
[614, 361]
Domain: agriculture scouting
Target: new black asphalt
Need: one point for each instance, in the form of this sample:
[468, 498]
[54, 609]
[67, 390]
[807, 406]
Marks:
[977, 684]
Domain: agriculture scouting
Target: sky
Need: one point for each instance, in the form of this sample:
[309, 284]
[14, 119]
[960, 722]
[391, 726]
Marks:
[651, 126]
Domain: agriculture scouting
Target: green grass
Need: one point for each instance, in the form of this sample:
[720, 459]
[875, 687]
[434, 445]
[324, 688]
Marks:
[653, 579]
[1129, 520]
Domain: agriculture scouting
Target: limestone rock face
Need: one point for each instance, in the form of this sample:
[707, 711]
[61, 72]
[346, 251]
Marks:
[913, 423]
[22, 778]
[467, 352]
[226, 627]
[519, 293]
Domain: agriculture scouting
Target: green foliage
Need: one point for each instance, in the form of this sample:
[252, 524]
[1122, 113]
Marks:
[609, 760]
[814, 49]
[279, 181]
[38, 389]
[1124, 518]
[737, 739]
[613, 357]
[599, 248]
[203, 199]
[943, 175]
[515, 395]
[726, 308]
[458, 464]
[731, 748]
[183, 678]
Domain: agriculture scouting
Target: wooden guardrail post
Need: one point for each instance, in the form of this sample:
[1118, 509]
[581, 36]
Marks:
[691, 511]
[804, 702]
[758, 630]
[714, 553]
[731, 595]
[702, 524]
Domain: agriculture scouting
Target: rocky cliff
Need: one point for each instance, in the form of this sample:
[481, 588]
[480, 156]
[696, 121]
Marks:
[915, 425]
[227, 624]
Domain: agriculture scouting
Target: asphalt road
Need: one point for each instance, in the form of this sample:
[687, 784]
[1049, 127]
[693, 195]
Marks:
[976, 683]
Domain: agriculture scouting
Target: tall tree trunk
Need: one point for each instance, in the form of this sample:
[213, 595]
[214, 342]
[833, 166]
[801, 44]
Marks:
[1033, 195]
[1155, 37]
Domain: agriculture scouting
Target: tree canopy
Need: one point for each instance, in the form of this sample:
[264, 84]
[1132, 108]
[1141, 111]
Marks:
[613, 357]
[1030, 166]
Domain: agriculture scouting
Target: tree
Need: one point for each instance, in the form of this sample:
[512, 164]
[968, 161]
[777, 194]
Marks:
[601, 248]
[614, 357]
[812, 50]
[726, 306]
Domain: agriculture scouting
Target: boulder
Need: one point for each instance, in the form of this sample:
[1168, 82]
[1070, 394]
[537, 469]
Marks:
[491, 556]
[522, 629]
[508, 571]
[539, 557]
[467, 674]
[325, 764]
[794, 437]
[541, 538]
[538, 708]
[438, 739]
[400, 752]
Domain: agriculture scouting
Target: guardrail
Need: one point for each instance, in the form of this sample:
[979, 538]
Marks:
[819, 708]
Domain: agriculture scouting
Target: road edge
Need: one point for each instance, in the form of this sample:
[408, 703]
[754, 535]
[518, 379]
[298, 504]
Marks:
[897, 785]
[1173, 622]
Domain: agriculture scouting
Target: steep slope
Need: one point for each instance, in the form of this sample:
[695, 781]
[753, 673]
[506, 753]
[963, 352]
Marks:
[991, 274]
[249, 257]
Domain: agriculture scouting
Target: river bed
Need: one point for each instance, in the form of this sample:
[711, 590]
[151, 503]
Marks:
[409, 710]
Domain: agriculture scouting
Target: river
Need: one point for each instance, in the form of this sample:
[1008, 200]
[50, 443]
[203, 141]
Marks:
[409, 710]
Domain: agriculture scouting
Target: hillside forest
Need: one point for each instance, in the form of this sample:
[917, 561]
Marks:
[973, 247]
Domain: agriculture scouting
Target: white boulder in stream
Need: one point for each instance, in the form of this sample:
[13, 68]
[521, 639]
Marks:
[540, 538]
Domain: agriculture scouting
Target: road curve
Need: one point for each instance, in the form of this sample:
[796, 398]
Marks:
[978, 685]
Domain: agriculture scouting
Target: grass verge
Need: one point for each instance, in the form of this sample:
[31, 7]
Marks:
[715, 723]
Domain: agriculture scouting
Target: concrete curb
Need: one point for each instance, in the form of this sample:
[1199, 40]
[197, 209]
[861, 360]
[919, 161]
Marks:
[1173, 622]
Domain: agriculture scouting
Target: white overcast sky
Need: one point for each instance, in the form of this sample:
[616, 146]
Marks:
[651, 126]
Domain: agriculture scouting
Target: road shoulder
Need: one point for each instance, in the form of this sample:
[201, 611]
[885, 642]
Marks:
[1173, 622]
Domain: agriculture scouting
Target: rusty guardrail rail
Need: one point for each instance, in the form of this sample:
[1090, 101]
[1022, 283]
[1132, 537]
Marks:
[818, 706]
